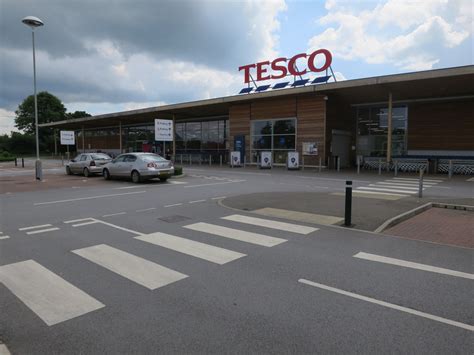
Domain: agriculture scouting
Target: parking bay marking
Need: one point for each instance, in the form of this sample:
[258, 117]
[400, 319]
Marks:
[388, 305]
[132, 267]
[289, 227]
[34, 227]
[215, 183]
[412, 265]
[48, 295]
[42, 231]
[87, 198]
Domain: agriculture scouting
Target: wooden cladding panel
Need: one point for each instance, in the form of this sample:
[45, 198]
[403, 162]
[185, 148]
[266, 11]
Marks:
[311, 114]
[280, 108]
[441, 126]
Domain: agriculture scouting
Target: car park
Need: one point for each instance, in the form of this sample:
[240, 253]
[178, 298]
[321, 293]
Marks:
[87, 164]
[139, 167]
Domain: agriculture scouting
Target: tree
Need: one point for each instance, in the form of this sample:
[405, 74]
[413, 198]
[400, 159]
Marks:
[77, 114]
[50, 109]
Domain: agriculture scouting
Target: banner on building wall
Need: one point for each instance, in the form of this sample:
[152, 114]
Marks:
[293, 161]
[310, 148]
[163, 130]
[67, 138]
[266, 160]
[235, 158]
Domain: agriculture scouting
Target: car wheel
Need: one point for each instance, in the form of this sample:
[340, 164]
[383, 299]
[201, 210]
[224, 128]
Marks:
[68, 170]
[106, 174]
[136, 177]
[163, 179]
[86, 172]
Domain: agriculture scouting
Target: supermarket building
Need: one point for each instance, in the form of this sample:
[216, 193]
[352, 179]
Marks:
[420, 115]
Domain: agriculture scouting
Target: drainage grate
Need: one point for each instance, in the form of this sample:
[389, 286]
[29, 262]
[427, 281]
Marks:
[174, 218]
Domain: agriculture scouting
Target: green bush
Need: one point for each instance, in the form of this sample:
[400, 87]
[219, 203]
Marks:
[5, 156]
[178, 170]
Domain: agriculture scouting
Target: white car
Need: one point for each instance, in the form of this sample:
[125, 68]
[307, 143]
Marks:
[87, 164]
[139, 167]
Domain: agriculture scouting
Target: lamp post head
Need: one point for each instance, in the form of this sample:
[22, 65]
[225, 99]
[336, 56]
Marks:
[32, 21]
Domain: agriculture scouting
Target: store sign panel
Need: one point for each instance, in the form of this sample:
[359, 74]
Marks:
[310, 148]
[67, 138]
[163, 130]
[297, 65]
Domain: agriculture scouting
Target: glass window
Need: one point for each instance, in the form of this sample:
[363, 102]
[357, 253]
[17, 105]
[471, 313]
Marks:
[151, 158]
[262, 142]
[284, 127]
[284, 142]
[130, 158]
[261, 127]
[120, 159]
[83, 157]
[100, 156]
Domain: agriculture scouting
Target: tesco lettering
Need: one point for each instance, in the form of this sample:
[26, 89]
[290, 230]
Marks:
[281, 67]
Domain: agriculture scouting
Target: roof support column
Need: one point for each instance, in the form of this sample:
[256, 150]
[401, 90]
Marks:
[174, 139]
[83, 140]
[389, 129]
[120, 136]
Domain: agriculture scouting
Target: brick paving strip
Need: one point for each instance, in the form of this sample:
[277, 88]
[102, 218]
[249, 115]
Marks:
[439, 225]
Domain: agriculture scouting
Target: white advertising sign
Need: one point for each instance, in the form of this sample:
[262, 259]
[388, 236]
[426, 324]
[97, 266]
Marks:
[266, 160]
[310, 148]
[293, 160]
[67, 138]
[235, 158]
[163, 130]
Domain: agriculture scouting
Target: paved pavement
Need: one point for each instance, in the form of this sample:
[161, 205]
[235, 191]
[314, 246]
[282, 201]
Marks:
[115, 267]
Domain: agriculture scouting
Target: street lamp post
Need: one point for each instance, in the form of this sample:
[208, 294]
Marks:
[34, 22]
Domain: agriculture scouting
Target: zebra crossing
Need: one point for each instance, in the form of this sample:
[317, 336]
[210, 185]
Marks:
[397, 186]
[55, 300]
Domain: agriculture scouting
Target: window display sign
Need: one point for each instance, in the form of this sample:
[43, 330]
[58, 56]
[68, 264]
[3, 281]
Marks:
[234, 158]
[310, 148]
[67, 138]
[163, 130]
[266, 160]
[293, 160]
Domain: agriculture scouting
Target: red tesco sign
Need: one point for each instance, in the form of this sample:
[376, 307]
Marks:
[282, 66]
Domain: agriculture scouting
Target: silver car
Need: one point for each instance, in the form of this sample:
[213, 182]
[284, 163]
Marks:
[139, 167]
[87, 164]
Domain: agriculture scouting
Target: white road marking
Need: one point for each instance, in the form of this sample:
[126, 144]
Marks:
[113, 214]
[416, 179]
[34, 227]
[128, 187]
[388, 190]
[407, 183]
[118, 227]
[248, 237]
[395, 186]
[51, 297]
[218, 198]
[267, 223]
[412, 265]
[197, 201]
[4, 237]
[132, 267]
[79, 220]
[215, 183]
[4, 350]
[84, 223]
[389, 305]
[190, 247]
[173, 205]
[87, 198]
[177, 182]
[43, 231]
[470, 179]
[377, 193]
[146, 209]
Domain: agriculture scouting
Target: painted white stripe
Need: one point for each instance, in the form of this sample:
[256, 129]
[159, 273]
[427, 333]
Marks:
[42, 231]
[84, 224]
[267, 223]
[389, 305]
[378, 193]
[248, 237]
[416, 179]
[197, 201]
[4, 237]
[118, 227]
[79, 220]
[412, 265]
[389, 190]
[34, 227]
[218, 198]
[173, 205]
[4, 350]
[51, 297]
[127, 187]
[132, 267]
[146, 209]
[177, 182]
[216, 183]
[395, 186]
[113, 214]
[414, 182]
[190, 247]
[87, 198]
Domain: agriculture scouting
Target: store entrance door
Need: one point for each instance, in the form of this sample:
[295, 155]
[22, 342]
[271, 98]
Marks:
[341, 146]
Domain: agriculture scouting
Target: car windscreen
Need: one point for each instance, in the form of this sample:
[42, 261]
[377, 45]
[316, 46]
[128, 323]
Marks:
[100, 156]
[152, 158]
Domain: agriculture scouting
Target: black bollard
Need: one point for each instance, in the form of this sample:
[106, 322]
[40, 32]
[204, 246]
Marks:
[22, 162]
[16, 162]
[348, 210]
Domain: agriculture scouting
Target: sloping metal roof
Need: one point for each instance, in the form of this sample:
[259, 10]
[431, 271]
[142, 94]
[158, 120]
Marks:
[437, 83]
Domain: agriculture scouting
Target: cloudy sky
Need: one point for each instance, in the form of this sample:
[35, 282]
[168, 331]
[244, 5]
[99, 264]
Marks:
[106, 56]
